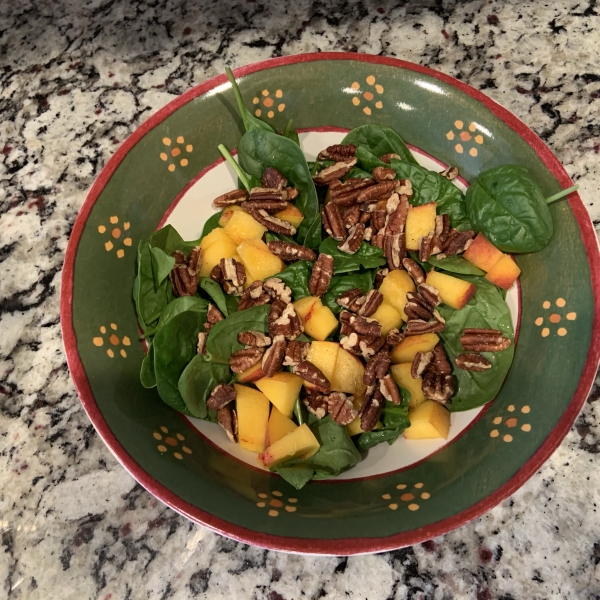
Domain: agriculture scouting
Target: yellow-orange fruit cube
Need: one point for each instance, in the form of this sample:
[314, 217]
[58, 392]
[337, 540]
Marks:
[428, 421]
[300, 443]
[401, 375]
[258, 260]
[406, 350]
[213, 255]
[291, 214]
[318, 320]
[279, 426]
[324, 356]
[348, 374]
[394, 288]
[252, 409]
[453, 291]
[282, 390]
[228, 213]
[242, 226]
[388, 317]
[218, 234]
[251, 374]
[482, 253]
[419, 222]
[504, 273]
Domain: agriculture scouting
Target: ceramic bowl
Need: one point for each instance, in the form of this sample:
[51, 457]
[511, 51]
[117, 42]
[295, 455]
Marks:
[169, 170]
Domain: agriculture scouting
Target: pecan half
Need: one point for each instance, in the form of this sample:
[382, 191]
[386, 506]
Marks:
[341, 409]
[201, 344]
[425, 247]
[377, 367]
[333, 222]
[378, 218]
[442, 227]
[277, 289]
[283, 320]
[272, 223]
[292, 193]
[233, 197]
[352, 299]
[254, 338]
[221, 395]
[273, 357]
[233, 276]
[379, 191]
[394, 248]
[271, 206]
[254, 295]
[272, 178]
[472, 362]
[370, 411]
[438, 387]
[380, 276]
[439, 361]
[351, 216]
[457, 242]
[386, 158]
[316, 404]
[346, 193]
[420, 362]
[337, 152]
[354, 239]
[312, 374]
[450, 173]
[394, 337]
[335, 171]
[416, 307]
[322, 272]
[363, 326]
[266, 193]
[213, 316]
[389, 390]
[414, 270]
[216, 274]
[360, 345]
[483, 340]
[245, 358]
[419, 326]
[183, 277]
[398, 212]
[383, 174]
[295, 353]
[227, 419]
[371, 301]
[430, 294]
[288, 251]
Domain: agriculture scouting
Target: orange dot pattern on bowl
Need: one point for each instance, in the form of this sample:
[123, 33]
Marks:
[116, 233]
[470, 142]
[510, 423]
[268, 101]
[170, 441]
[368, 97]
[276, 503]
[175, 152]
[112, 340]
[408, 498]
[554, 318]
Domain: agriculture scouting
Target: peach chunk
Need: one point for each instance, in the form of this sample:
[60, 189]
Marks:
[300, 443]
[242, 226]
[213, 255]
[252, 409]
[282, 390]
[218, 234]
[504, 273]
[482, 253]
[428, 421]
[291, 214]
[348, 374]
[388, 317]
[406, 350]
[453, 291]
[401, 375]
[279, 425]
[324, 356]
[228, 213]
[419, 222]
[251, 374]
[258, 260]
[318, 320]
[394, 288]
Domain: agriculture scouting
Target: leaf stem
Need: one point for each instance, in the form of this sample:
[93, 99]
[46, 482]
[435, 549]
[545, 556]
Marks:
[562, 194]
[298, 411]
[244, 177]
[238, 94]
[288, 128]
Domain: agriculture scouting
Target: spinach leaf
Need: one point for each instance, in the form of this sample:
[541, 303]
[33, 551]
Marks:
[244, 179]
[149, 300]
[290, 133]
[260, 149]
[336, 454]
[278, 237]
[222, 340]
[147, 375]
[380, 140]
[211, 223]
[342, 283]
[197, 382]
[176, 307]
[455, 264]
[509, 208]
[429, 186]
[357, 173]
[162, 264]
[367, 160]
[169, 240]
[174, 347]
[367, 256]
[225, 303]
[296, 276]
[486, 309]
[394, 419]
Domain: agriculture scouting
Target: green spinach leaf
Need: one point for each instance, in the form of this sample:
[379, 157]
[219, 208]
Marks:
[456, 264]
[509, 208]
[149, 300]
[147, 375]
[162, 264]
[176, 307]
[290, 133]
[296, 277]
[380, 140]
[169, 240]
[225, 303]
[342, 283]
[368, 257]
[211, 223]
[367, 160]
[394, 420]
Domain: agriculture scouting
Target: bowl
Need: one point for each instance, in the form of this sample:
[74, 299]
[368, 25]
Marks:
[169, 170]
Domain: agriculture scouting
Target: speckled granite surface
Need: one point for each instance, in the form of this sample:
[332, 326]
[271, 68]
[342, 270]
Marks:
[76, 79]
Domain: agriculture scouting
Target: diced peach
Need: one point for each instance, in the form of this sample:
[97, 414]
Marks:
[279, 425]
[406, 350]
[291, 214]
[482, 253]
[300, 443]
[282, 390]
[259, 262]
[388, 317]
[504, 273]
[251, 374]
[401, 375]
[213, 255]
[428, 421]
[453, 291]
[419, 222]
[324, 356]
[242, 226]
[228, 213]
[394, 288]
[218, 234]
[306, 306]
[252, 409]
[318, 320]
[348, 374]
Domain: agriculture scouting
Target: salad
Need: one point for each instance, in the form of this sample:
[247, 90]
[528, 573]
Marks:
[334, 305]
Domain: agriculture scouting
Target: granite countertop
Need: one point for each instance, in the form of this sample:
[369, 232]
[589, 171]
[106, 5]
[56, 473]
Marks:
[76, 80]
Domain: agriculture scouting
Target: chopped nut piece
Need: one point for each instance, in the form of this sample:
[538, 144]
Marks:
[351, 216]
[420, 363]
[201, 345]
[354, 239]
[450, 173]
[221, 395]
[254, 295]
[254, 338]
[341, 408]
[213, 316]
[288, 251]
[272, 178]
[438, 387]
[442, 227]
[316, 404]
[386, 158]
[398, 212]
[380, 276]
[414, 270]
[278, 290]
[243, 359]
[472, 362]
[273, 357]
[295, 353]
[389, 390]
[335, 171]
[353, 299]
[311, 373]
[184, 275]
[283, 320]
[377, 367]
[321, 275]
[425, 247]
[227, 419]
[439, 361]
[383, 174]
[230, 198]
[394, 337]
[216, 274]
[337, 152]
[233, 276]
[370, 411]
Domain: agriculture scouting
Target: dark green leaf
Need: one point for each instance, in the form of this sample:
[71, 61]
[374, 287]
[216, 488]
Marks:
[456, 264]
[509, 208]
[225, 303]
[299, 411]
[357, 173]
[169, 240]
[429, 186]
[176, 307]
[162, 264]
[380, 140]
[149, 301]
[290, 133]
[147, 376]
[342, 283]
[368, 257]
[212, 223]
[394, 420]
[296, 276]
[367, 160]
[278, 237]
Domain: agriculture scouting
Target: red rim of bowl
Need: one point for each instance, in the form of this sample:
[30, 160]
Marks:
[340, 546]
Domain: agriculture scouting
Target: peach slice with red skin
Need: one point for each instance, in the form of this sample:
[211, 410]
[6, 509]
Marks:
[300, 443]
[453, 291]
[482, 253]
[504, 273]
